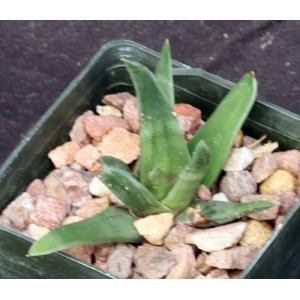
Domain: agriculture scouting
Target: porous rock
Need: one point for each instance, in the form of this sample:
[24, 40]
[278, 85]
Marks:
[119, 262]
[263, 167]
[153, 262]
[233, 258]
[237, 184]
[217, 238]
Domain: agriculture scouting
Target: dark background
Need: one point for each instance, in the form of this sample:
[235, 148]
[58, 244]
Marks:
[39, 58]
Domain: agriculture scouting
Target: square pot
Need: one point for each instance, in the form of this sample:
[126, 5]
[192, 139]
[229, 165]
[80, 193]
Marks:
[105, 73]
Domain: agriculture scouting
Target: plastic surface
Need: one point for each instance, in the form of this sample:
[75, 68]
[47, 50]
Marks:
[104, 74]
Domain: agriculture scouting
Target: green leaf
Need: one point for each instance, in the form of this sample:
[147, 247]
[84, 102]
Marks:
[118, 178]
[162, 143]
[111, 225]
[220, 212]
[164, 73]
[222, 127]
[160, 183]
[181, 194]
[212, 213]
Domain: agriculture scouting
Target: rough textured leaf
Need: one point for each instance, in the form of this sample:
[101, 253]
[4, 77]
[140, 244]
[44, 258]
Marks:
[118, 178]
[162, 144]
[181, 194]
[221, 128]
[160, 183]
[212, 213]
[111, 225]
[164, 73]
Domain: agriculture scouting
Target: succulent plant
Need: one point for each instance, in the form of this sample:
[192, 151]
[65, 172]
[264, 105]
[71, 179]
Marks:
[169, 170]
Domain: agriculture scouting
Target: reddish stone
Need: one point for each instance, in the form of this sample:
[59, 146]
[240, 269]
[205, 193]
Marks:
[36, 188]
[131, 114]
[64, 155]
[19, 212]
[98, 126]
[87, 156]
[117, 100]
[288, 161]
[78, 133]
[190, 112]
[50, 212]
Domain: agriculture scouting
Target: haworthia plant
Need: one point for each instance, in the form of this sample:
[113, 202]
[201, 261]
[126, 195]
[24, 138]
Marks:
[162, 144]
[169, 171]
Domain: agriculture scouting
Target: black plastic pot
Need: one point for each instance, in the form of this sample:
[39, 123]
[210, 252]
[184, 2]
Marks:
[105, 73]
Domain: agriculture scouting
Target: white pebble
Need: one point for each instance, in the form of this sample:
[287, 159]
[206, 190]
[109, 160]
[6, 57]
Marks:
[37, 232]
[99, 189]
[220, 197]
[108, 110]
[239, 159]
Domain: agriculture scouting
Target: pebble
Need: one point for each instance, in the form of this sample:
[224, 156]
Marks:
[177, 235]
[263, 167]
[217, 274]
[235, 274]
[102, 252]
[256, 233]
[78, 133]
[288, 161]
[64, 155]
[97, 126]
[99, 189]
[119, 262]
[287, 201]
[72, 219]
[239, 159]
[117, 100]
[76, 187]
[87, 157]
[154, 228]
[217, 238]
[239, 139]
[108, 110]
[121, 144]
[83, 253]
[234, 258]
[36, 189]
[185, 125]
[153, 262]
[191, 113]
[204, 192]
[199, 276]
[53, 185]
[280, 181]
[92, 207]
[36, 232]
[185, 267]
[220, 197]
[237, 184]
[266, 214]
[131, 114]
[50, 212]
[19, 213]
[201, 264]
